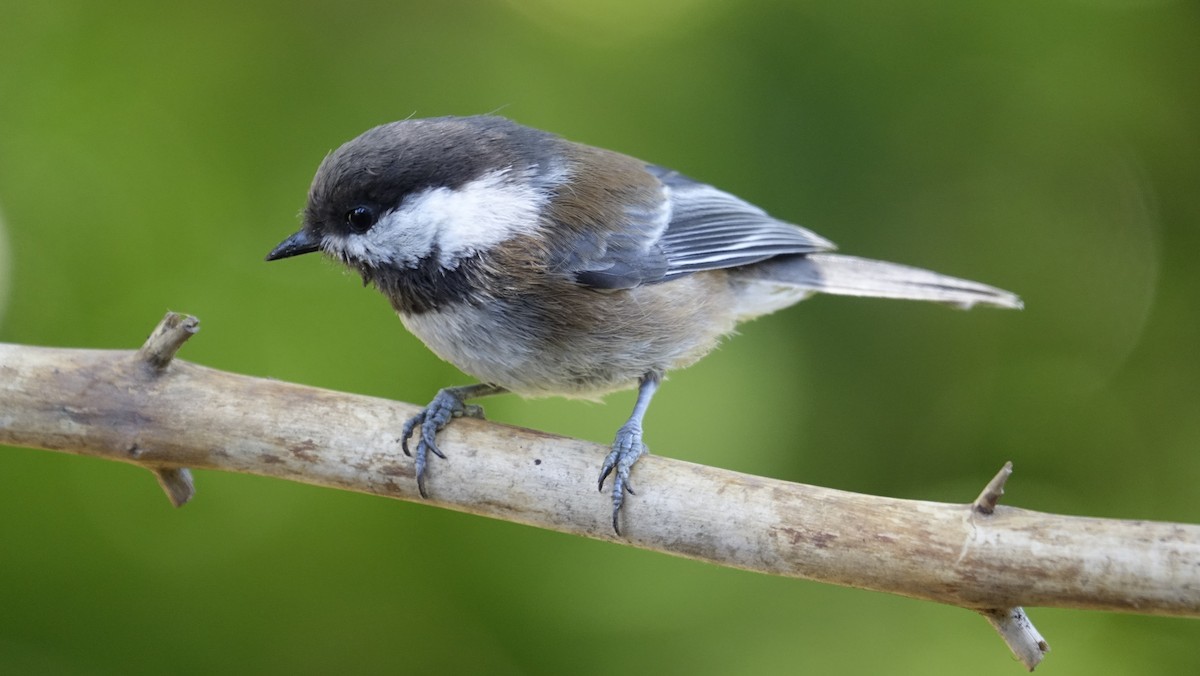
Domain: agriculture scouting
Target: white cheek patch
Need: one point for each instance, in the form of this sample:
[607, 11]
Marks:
[480, 214]
[391, 241]
[457, 223]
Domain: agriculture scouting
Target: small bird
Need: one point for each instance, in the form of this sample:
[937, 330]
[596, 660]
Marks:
[541, 266]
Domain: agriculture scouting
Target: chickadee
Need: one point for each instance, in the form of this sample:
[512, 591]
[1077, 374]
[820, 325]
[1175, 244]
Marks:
[541, 266]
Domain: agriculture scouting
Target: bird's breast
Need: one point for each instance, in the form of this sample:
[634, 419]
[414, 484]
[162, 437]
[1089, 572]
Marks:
[566, 340]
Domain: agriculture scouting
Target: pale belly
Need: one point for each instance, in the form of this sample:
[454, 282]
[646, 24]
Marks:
[584, 344]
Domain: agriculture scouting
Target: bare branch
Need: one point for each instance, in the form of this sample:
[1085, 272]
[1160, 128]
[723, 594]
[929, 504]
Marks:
[1023, 639]
[157, 353]
[108, 404]
[177, 483]
[990, 497]
[167, 338]
[1014, 626]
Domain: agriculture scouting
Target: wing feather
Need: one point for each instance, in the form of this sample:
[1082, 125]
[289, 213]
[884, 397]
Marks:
[646, 224]
[710, 229]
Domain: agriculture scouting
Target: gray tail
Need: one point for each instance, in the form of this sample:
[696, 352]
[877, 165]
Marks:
[851, 276]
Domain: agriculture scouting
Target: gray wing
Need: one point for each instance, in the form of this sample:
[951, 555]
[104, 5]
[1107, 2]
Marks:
[688, 227]
[710, 229]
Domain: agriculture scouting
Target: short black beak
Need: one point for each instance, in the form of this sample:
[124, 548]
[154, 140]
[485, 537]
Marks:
[299, 243]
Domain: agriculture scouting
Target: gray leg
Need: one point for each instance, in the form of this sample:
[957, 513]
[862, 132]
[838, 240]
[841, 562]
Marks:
[628, 446]
[449, 403]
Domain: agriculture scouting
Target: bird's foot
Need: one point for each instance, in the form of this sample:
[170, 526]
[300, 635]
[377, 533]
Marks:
[447, 405]
[626, 450]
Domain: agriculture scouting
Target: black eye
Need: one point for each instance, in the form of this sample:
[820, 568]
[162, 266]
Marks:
[360, 218]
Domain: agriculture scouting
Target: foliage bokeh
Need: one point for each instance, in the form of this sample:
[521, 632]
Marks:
[151, 153]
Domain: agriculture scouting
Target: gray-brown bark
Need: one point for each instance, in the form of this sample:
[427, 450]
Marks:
[143, 408]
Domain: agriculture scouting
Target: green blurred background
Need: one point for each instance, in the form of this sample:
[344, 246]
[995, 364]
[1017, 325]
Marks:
[151, 153]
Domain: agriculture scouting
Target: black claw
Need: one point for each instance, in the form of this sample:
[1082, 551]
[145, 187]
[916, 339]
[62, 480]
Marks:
[429, 438]
[433, 446]
[617, 464]
[406, 433]
[447, 405]
[603, 475]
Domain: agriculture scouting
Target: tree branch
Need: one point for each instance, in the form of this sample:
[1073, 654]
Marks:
[143, 408]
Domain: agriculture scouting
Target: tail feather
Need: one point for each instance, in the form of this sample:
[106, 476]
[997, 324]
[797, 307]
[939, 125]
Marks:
[852, 276]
